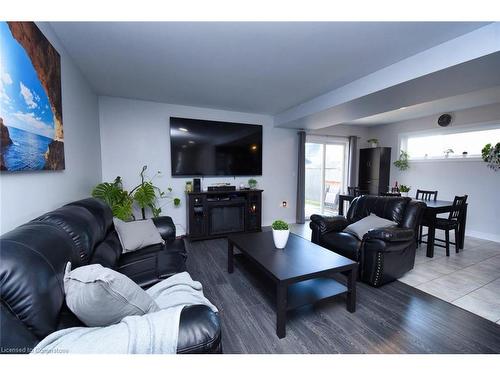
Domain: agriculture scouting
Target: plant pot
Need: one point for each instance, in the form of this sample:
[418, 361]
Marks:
[374, 145]
[280, 238]
[404, 194]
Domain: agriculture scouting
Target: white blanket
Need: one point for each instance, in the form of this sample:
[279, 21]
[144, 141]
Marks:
[153, 333]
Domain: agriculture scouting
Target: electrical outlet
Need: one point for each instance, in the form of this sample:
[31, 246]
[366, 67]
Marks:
[284, 204]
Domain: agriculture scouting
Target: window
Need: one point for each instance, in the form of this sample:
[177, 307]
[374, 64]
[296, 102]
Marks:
[326, 174]
[434, 146]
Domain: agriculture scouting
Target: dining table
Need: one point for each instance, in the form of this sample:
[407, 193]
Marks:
[432, 210]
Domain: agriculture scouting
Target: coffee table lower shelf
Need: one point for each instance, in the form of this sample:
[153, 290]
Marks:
[311, 291]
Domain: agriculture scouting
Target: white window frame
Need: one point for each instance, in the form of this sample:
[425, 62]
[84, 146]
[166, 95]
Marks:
[403, 140]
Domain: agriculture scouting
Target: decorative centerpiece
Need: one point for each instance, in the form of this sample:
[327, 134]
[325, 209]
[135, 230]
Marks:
[448, 152]
[373, 142]
[280, 233]
[404, 190]
[491, 155]
[252, 183]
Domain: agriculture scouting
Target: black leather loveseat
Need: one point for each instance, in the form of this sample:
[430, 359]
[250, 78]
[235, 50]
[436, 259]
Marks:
[383, 254]
[32, 262]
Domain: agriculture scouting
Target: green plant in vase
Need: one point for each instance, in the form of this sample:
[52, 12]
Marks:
[144, 196]
[404, 190]
[252, 183]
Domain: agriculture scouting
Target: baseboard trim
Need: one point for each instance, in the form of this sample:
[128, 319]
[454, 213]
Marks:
[483, 235]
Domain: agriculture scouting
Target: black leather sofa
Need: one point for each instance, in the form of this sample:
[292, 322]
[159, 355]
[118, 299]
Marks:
[32, 262]
[383, 255]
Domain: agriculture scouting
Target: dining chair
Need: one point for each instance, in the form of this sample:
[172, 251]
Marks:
[426, 195]
[356, 191]
[450, 223]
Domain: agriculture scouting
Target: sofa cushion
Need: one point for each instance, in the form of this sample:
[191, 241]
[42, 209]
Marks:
[137, 234]
[372, 221]
[99, 296]
[153, 263]
[342, 243]
[390, 208]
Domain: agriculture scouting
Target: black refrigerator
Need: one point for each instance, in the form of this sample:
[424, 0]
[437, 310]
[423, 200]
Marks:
[374, 169]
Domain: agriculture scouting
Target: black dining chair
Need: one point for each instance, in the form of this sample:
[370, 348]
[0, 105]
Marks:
[356, 191]
[426, 195]
[450, 223]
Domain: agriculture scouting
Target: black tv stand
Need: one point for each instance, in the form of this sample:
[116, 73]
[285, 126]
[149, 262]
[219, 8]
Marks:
[215, 214]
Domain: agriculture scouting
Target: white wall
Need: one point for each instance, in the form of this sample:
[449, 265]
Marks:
[134, 133]
[455, 177]
[25, 195]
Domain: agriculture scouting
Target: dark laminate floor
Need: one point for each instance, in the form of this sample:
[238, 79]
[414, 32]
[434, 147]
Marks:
[393, 319]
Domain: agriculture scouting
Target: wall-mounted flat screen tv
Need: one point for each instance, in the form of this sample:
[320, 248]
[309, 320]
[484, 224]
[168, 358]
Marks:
[215, 148]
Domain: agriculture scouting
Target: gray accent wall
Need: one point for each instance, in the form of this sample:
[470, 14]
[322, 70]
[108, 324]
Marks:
[135, 132]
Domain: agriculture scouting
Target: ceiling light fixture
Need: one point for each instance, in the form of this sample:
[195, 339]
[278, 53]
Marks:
[183, 130]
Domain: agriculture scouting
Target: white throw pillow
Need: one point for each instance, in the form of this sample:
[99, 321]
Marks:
[99, 296]
[135, 235]
[361, 227]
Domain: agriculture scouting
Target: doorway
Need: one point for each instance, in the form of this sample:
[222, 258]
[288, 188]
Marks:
[325, 174]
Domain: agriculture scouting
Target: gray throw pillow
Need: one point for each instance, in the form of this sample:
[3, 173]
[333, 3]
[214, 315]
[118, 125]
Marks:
[361, 227]
[99, 296]
[135, 235]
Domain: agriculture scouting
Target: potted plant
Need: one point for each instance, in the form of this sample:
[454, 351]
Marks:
[280, 233]
[145, 196]
[448, 152]
[252, 183]
[373, 142]
[491, 155]
[403, 162]
[404, 190]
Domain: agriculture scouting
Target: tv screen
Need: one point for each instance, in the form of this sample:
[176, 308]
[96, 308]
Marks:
[215, 148]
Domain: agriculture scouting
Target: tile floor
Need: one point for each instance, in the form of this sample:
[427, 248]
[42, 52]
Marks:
[469, 279]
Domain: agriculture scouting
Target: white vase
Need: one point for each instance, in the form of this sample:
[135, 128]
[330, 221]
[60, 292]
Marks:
[280, 238]
[404, 194]
[374, 145]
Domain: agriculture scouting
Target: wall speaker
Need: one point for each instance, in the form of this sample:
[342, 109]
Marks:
[444, 120]
[196, 185]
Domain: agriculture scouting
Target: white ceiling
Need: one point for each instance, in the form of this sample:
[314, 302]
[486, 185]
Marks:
[249, 67]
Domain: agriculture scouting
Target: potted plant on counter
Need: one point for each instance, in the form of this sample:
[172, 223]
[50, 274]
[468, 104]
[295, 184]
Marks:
[373, 142]
[280, 233]
[252, 183]
[404, 190]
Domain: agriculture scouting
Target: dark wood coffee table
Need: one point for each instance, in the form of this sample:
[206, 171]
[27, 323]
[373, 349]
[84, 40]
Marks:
[302, 271]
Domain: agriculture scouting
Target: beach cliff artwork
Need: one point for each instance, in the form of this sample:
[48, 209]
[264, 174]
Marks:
[31, 124]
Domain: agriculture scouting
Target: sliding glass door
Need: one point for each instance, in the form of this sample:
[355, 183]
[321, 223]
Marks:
[326, 174]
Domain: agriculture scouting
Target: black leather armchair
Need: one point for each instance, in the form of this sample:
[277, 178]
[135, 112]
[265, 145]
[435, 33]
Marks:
[32, 263]
[383, 254]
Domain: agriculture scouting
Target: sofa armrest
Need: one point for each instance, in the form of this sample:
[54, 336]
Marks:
[394, 234]
[321, 225]
[166, 227]
[199, 331]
